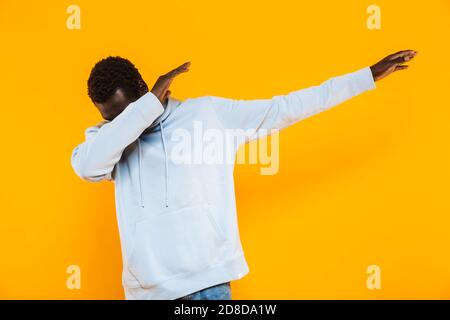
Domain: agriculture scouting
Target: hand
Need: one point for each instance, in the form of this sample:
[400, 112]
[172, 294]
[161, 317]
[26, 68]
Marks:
[392, 63]
[161, 87]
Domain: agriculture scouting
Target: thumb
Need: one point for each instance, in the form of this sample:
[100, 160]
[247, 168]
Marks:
[166, 96]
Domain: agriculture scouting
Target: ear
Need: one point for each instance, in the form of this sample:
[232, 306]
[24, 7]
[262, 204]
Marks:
[143, 88]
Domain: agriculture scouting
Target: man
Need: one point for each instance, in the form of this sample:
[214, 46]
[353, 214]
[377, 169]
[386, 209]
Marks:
[177, 219]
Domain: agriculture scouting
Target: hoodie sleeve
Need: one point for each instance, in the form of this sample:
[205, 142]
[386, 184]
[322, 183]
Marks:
[95, 158]
[281, 111]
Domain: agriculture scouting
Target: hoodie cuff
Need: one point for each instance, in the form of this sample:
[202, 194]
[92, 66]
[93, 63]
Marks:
[149, 107]
[364, 79]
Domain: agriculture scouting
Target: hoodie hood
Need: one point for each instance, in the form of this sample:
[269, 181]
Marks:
[170, 105]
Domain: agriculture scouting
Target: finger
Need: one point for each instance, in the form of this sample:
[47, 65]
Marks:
[398, 54]
[401, 67]
[403, 59]
[168, 92]
[406, 55]
[180, 69]
[392, 56]
[409, 55]
[184, 67]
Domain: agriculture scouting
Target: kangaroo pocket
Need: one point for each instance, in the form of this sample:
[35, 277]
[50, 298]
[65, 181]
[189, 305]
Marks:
[171, 244]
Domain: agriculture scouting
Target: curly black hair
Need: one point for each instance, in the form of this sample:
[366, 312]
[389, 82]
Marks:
[112, 73]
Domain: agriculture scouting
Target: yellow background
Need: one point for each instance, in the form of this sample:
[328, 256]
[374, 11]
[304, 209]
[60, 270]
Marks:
[365, 183]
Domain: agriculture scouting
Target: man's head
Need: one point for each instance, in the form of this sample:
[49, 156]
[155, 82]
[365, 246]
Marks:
[113, 84]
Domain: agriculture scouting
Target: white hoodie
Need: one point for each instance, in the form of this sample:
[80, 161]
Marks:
[177, 220]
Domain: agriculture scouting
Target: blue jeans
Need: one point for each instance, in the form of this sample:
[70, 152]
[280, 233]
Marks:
[217, 292]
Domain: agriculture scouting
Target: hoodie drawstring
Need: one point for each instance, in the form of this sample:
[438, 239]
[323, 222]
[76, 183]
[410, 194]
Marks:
[141, 199]
[166, 167]
[166, 164]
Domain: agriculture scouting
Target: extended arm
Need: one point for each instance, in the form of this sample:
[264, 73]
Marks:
[284, 110]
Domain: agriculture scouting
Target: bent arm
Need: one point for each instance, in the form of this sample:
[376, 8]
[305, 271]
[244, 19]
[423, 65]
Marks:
[95, 158]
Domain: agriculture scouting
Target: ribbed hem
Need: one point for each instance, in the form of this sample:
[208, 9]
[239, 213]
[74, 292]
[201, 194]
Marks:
[181, 286]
